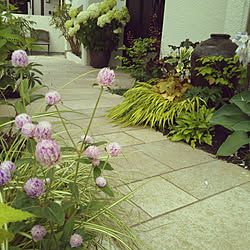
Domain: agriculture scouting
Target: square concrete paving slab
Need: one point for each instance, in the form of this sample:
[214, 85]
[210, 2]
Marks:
[157, 196]
[208, 178]
[219, 222]
[136, 165]
[175, 154]
[120, 137]
[147, 135]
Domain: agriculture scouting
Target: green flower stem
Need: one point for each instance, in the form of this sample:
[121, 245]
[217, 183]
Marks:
[64, 125]
[86, 133]
[34, 155]
[54, 236]
[105, 164]
[91, 119]
[5, 243]
[50, 184]
[21, 85]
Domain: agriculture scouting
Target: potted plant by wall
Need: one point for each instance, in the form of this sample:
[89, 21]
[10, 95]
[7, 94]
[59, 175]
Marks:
[98, 29]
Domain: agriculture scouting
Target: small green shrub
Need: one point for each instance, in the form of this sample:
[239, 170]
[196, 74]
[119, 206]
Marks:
[193, 126]
[139, 60]
[224, 72]
[211, 95]
[142, 105]
[235, 117]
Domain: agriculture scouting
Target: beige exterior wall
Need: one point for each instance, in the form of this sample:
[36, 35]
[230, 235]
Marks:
[57, 43]
[197, 19]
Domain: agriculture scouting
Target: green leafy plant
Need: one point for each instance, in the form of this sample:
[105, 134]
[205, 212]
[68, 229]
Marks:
[12, 32]
[59, 16]
[142, 105]
[71, 200]
[99, 26]
[193, 126]
[235, 117]
[225, 72]
[172, 88]
[9, 76]
[211, 95]
[138, 60]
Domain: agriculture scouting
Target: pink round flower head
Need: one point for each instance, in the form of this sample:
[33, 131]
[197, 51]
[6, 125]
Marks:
[93, 152]
[21, 119]
[75, 240]
[106, 77]
[48, 152]
[43, 131]
[9, 165]
[100, 181]
[34, 187]
[19, 58]
[52, 97]
[38, 232]
[96, 162]
[113, 149]
[4, 176]
[88, 139]
[28, 130]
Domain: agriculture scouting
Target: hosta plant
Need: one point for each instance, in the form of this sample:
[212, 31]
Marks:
[235, 117]
[143, 105]
[65, 191]
[193, 126]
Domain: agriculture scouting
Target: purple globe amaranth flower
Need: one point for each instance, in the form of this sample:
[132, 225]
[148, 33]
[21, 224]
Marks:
[38, 232]
[43, 131]
[100, 181]
[96, 162]
[48, 152]
[4, 176]
[9, 165]
[88, 139]
[75, 240]
[113, 149]
[52, 97]
[28, 130]
[21, 119]
[93, 152]
[106, 77]
[34, 187]
[19, 58]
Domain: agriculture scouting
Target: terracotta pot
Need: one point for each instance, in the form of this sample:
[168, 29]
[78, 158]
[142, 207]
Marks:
[216, 45]
[99, 59]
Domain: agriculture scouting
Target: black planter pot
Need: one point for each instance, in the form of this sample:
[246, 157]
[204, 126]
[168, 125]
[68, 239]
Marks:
[216, 45]
[99, 59]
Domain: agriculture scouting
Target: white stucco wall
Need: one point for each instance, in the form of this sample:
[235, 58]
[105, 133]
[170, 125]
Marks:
[57, 43]
[197, 19]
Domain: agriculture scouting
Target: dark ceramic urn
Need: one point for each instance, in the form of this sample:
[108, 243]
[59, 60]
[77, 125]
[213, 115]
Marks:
[216, 45]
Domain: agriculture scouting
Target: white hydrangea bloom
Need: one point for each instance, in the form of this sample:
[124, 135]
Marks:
[68, 24]
[102, 20]
[72, 31]
[93, 10]
[82, 17]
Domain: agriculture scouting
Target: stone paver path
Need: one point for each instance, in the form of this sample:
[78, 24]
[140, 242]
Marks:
[189, 200]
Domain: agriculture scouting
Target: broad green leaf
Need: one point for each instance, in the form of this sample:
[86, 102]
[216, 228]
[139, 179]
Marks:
[233, 142]
[10, 214]
[96, 205]
[54, 212]
[67, 230]
[23, 88]
[19, 107]
[5, 235]
[65, 149]
[2, 42]
[84, 160]
[99, 143]
[4, 120]
[243, 126]
[97, 172]
[242, 101]
[107, 166]
[107, 190]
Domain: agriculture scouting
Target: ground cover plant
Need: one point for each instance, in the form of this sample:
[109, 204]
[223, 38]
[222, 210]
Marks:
[54, 197]
[172, 104]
